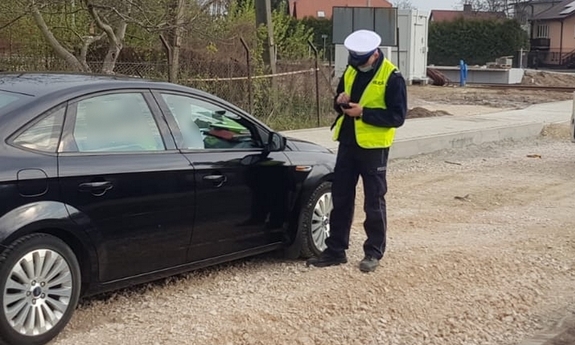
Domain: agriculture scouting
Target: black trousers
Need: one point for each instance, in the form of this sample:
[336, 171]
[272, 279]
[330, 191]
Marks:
[371, 164]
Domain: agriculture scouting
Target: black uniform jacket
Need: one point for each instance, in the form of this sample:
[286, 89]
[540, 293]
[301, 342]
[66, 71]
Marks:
[395, 99]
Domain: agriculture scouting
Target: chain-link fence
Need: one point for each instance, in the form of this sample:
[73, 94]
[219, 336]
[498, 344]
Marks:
[297, 96]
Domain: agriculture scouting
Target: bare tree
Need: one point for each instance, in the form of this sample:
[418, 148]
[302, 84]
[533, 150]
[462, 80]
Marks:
[114, 26]
[403, 4]
[491, 5]
[83, 23]
[72, 27]
[173, 45]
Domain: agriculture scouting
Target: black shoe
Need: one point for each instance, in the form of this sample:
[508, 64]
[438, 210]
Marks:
[327, 259]
[368, 264]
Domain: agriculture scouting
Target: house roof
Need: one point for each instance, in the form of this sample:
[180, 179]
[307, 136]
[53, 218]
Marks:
[305, 8]
[562, 10]
[446, 15]
[535, 2]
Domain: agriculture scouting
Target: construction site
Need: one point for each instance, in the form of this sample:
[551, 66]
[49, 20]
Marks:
[475, 99]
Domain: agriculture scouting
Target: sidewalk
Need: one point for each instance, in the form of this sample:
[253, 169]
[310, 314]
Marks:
[426, 135]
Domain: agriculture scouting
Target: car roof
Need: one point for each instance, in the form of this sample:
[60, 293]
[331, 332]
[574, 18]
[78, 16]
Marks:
[44, 83]
[50, 89]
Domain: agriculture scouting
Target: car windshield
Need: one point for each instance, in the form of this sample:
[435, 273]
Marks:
[7, 98]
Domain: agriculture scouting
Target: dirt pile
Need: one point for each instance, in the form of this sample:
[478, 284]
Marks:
[544, 78]
[557, 131]
[419, 112]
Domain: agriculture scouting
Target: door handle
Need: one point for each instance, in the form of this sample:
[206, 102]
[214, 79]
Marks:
[96, 188]
[217, 180]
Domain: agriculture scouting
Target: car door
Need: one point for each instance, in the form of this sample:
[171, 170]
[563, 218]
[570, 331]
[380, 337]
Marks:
[242, 192]
[123, 179]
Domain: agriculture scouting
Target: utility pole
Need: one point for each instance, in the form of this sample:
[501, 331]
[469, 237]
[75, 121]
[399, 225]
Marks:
[264, 17]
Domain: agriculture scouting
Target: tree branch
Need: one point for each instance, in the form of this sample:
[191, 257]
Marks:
[86, 43]
[53, 41]
[13, 21]
[99, 22]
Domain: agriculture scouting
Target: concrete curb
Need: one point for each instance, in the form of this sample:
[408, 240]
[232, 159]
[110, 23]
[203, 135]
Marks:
[422, 145]
[427, 135]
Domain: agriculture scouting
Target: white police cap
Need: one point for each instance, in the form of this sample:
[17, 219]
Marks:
[362, 42]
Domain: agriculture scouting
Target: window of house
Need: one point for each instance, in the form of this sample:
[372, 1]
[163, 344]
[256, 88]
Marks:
[320, 14]
[543, 31]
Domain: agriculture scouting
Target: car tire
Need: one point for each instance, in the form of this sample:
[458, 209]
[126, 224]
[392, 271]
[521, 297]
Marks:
[314, 221]
[39, 289]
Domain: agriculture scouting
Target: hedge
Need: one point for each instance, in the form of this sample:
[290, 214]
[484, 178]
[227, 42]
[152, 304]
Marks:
[475, 41]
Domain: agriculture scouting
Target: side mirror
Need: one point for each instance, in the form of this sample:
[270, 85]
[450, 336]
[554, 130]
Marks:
[276, 142]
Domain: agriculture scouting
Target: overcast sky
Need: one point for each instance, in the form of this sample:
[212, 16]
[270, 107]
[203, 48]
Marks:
[428, 5]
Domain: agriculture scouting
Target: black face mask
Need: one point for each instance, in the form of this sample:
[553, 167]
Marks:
[361, 67]
[355, 62]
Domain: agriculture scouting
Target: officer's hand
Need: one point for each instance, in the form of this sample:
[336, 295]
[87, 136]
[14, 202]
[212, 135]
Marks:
[343, 98]
[355, 111]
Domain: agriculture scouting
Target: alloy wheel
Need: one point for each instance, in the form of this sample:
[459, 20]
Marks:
[320, 220]
[37, 293]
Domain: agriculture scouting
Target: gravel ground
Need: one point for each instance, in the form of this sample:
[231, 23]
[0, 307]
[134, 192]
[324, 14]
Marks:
[448, 97]
[481, 251]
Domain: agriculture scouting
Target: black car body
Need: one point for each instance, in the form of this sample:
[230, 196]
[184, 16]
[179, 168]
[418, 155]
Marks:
[109, 174]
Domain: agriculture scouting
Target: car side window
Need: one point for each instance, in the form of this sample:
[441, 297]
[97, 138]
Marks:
[120, 122]
[207, 126]
[44, 135]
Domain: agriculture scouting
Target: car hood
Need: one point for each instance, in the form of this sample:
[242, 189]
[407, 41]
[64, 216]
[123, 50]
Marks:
[307, 146]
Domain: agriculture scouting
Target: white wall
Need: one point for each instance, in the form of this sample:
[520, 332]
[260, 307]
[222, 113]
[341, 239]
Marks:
[484, 75]
[413, 32]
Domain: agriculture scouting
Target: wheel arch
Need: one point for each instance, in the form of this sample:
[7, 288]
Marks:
[318, 175]
[53, 219]
[81, 251]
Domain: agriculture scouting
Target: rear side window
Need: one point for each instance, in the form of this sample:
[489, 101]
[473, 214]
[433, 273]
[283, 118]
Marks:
[44, 135]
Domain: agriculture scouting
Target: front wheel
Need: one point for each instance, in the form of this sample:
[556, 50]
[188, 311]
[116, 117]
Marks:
[40, 287]
[314, 221]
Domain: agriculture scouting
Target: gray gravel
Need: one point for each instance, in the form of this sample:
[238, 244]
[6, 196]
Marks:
[492, 266]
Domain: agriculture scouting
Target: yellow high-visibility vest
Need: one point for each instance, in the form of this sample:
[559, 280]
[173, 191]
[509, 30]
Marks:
[366, 135]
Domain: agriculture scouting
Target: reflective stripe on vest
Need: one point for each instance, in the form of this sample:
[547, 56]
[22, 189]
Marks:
[366, 135]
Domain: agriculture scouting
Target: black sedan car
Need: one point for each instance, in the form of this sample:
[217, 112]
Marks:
[107, 182]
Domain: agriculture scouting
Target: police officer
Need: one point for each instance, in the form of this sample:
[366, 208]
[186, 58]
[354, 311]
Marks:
[371, 103]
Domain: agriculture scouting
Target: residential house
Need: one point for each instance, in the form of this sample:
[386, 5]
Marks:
[324, 8]
[524, 11]
[553, 35]
[468, 14]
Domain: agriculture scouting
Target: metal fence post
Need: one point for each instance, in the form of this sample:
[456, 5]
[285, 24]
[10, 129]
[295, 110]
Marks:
[250, 93]
[573, 120]
[316, 81]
